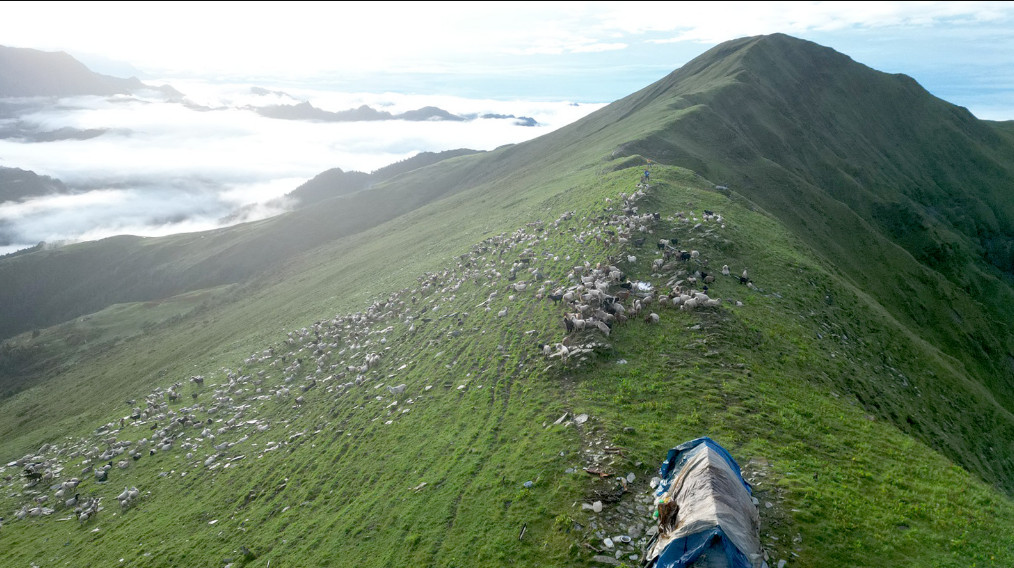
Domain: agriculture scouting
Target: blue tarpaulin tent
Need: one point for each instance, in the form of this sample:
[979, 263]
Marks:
[706, 512]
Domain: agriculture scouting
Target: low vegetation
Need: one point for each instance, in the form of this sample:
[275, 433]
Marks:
[436, 475]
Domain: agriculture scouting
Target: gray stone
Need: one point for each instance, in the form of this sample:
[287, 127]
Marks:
[606, 560]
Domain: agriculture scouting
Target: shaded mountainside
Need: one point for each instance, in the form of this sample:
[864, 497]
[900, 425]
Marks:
[55, 285]
[861, 379]
[33, 73]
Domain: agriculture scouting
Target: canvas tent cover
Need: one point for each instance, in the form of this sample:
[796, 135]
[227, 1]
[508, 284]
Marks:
[704, 506]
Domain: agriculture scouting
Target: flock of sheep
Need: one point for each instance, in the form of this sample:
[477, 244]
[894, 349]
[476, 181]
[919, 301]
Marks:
[207, 423]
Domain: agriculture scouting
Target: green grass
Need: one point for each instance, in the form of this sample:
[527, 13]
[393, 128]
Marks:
[777, 381]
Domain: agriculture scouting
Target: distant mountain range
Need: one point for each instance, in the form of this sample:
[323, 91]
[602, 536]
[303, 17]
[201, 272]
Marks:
[32, 73]
[306, 111]
[17, 184]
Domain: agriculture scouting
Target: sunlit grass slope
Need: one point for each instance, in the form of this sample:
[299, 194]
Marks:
[299, 467]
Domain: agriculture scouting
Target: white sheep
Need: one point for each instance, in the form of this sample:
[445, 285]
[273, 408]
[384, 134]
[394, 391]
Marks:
[396, 390]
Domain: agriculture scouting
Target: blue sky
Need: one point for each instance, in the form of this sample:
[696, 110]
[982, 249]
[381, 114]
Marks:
[962, 52]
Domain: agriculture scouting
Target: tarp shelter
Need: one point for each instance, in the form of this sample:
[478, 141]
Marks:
[706, 514]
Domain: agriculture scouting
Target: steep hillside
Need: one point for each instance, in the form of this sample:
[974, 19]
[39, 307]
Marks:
[864, 164]
[387, 378]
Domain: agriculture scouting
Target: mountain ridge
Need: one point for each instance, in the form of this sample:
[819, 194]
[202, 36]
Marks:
[849, 375]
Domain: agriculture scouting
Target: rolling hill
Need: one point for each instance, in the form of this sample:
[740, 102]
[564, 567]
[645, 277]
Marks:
[385, 378]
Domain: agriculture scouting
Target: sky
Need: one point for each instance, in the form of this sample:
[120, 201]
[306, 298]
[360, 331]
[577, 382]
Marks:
[164, 168]
[585, 51]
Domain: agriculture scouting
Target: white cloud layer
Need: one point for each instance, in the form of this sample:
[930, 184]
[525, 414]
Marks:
[163, 168]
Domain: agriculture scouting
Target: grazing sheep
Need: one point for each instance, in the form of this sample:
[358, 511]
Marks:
[651, 318]
[396, 390]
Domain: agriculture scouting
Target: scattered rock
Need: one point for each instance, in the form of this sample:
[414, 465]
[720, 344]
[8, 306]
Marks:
[580, 418]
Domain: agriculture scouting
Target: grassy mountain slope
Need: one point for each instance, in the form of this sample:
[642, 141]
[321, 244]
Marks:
[329, 480]
[850, 414]
[872, 156]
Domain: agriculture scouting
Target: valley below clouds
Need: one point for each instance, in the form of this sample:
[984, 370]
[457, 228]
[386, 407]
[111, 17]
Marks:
[155, 163]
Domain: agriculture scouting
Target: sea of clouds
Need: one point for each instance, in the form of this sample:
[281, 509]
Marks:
[162, 167]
